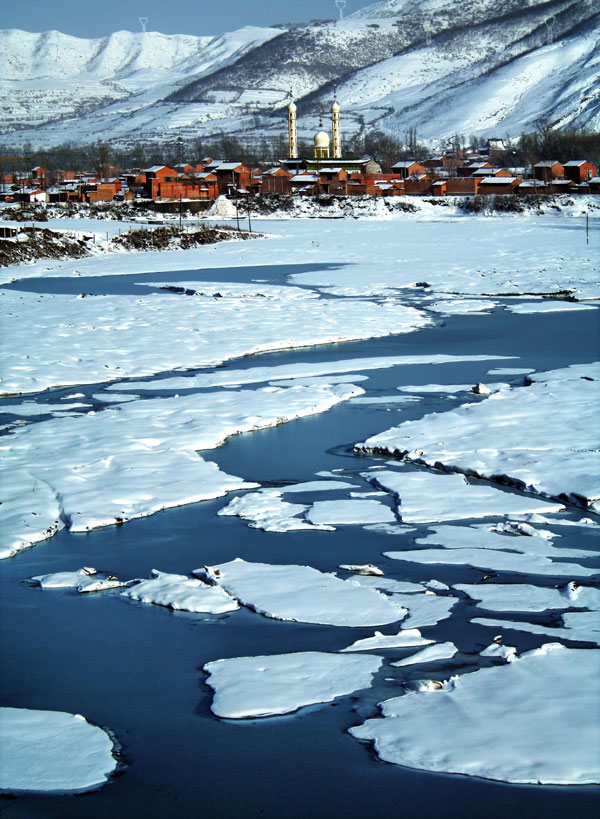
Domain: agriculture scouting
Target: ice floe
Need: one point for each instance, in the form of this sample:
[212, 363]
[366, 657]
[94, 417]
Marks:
[584, 632]
[294, 372]
[487, 536]
[84, 580]
[493, 560]
[439, 651]
[182, 593]
[347, 512]
[406, 638]
[364, 569]
[63, 340]
[133, 460]
[303, 594]
[425, 497]
[265, 686]
[525, 597]
[541, 438]
[52, 751]
[528, 721]
[547, 306]
[425, 609]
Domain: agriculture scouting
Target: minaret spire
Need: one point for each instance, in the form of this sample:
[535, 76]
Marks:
[336, 130]
[292, 129]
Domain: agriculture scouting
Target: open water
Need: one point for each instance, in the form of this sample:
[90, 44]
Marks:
[138, 669]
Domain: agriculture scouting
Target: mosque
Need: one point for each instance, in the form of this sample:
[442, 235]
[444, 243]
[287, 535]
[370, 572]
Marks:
[326, 148]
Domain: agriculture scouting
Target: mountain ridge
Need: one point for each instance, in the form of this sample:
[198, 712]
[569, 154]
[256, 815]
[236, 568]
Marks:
[440, 66]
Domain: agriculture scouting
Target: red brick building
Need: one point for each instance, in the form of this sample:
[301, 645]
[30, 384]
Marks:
[579, 170]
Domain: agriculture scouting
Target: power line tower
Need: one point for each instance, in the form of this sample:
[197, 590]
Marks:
[341, 5]
[143, 23]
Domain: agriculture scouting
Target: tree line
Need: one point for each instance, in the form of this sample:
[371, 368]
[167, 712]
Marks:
[545, 142]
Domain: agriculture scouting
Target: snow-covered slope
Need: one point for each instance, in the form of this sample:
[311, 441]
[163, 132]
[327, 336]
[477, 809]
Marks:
[440, 66]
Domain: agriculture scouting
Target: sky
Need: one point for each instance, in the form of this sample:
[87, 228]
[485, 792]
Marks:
[175, 17]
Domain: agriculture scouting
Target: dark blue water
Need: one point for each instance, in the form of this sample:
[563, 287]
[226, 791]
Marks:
[138, 669]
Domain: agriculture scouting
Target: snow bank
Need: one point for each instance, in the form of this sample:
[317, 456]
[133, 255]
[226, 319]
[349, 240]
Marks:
[52, 751]
[530, 721]
[265, 686]
[303, 594]
[502, 438]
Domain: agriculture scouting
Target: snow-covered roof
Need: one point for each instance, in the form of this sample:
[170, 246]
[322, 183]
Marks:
[575, 163]
[485, 172]
[440, 182]
[331, 170]
[532, 183]
[155, 168]
[595, 180]
[228, 166]
[500, 180]
[304, 177]
[405, 164]
[547, 163]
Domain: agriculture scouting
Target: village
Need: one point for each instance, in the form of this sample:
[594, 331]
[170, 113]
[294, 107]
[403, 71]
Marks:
[456, 172]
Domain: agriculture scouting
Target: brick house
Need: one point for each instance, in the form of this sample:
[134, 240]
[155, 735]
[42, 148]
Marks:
[408, 168]
[275, 180]
[499, 184]
[548, 169]
[579, 170]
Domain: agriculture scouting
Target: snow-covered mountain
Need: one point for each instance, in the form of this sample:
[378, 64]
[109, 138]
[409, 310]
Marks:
[440, 66]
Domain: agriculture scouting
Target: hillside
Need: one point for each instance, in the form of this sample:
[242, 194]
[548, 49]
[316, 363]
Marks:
[440, 66]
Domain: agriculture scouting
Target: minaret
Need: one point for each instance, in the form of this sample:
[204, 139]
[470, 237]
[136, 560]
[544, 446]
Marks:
[292, 131]
[336, 131]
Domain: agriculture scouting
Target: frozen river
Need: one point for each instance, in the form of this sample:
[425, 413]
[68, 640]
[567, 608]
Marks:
[137, 669]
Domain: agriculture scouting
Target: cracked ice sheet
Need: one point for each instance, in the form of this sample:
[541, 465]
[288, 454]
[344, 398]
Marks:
[52, 751]
[525, 597]
[311, 369]
[440, 651]
[530, 721]
[267, 510]
[131, 461]
[542, 437]
[279, 684]
[425, 497]
[303, 594]
[349, 512]
[182, 593]
[63, 340]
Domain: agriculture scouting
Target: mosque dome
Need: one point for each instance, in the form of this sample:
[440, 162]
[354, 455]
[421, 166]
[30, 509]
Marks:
[322, 140]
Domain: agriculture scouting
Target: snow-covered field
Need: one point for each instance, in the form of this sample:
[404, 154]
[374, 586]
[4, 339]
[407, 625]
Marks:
[132, 391]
